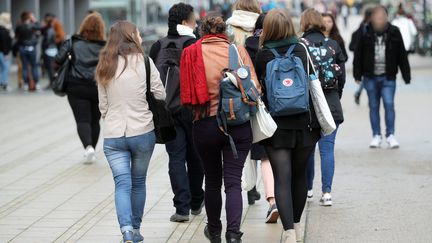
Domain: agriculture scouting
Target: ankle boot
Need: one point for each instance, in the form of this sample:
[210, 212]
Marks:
[253, 195]
[289, 236]
[233, 237]
[213, 237]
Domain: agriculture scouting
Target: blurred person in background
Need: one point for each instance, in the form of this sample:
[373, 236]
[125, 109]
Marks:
[379, 54]
[129, 137]
[355, 38]
[185, 168]
[322, 37]
[82, 93]
[5, 48]
[344, 12]
[50, 42]
[26, 35]
[242, 22]
[407, 28]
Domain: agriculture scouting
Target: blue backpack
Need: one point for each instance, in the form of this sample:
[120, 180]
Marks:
[287, 85]
[238, 96]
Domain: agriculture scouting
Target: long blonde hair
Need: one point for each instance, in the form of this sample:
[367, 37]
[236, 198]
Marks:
[248, 5]
[122, 41]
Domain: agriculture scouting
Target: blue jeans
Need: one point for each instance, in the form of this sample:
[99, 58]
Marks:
[4, 68]
[28, 57]
[185, 169]
[326, 148]
[129, 158]
[378, 87]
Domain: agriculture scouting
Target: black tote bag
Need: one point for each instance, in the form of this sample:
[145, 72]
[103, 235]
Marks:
[60, 81]
[162, 118]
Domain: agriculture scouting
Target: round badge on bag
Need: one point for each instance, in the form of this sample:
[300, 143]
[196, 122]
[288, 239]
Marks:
[242, 73]
[288, 82]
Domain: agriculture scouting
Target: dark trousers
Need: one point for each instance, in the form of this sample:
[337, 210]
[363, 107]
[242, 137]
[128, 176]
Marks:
[289, 170]
[85, 106]
[28, 58]
[185, 168]
[219, 164]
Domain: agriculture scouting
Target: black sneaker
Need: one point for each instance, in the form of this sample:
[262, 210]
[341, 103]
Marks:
[199, 210]
[357, 99]
[253, 195]
[212, 236]
[272, 215]
[233, 237]
[177, 218]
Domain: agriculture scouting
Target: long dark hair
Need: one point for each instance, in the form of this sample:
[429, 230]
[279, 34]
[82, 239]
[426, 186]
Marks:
[334, 32]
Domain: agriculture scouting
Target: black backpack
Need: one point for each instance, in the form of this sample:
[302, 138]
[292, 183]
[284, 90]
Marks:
[168, 65]
[323, 57]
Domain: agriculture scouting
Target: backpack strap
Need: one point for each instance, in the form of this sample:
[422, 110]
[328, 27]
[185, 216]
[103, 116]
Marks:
[290, 50]
[222, 121]
[309, 61]
[275, 53]
[148, 75]
[233, 57]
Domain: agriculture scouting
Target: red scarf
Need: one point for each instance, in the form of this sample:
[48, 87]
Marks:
[193, 82]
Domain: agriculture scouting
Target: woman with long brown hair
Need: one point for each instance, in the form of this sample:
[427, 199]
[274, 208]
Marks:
[332, 31]
[83, 51]
[129, 137]
[289, 148]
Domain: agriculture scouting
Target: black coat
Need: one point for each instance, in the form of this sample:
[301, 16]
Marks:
[332, 95]
[252, 47]
[300, 121]
[396, 55]
[5, 40]
[85, 57]
[356, 35]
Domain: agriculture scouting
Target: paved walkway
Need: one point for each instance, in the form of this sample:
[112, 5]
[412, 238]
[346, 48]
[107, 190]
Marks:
[48, 195]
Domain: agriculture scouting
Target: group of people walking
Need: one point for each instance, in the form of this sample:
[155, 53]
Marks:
[23, 43]
[111, 78]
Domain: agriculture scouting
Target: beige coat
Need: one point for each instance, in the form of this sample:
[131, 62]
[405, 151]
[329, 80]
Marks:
[123, 103]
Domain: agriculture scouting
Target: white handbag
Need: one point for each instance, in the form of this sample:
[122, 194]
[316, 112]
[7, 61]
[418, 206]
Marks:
[263, 125]
[322, 110]
[249, 175]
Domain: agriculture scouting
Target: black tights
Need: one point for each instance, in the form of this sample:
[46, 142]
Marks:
[86, 112]
[289, 169]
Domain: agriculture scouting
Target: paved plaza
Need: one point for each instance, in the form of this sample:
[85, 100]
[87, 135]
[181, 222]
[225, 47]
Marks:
[48, 195]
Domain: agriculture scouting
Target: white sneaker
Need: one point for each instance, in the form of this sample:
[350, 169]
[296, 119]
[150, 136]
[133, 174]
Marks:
[89, 155]
[376, 142]
[26, 87]
[38, 87]
[298, 231]
[310, 196]
[326, 200]
[392, 142]
[289, 236]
